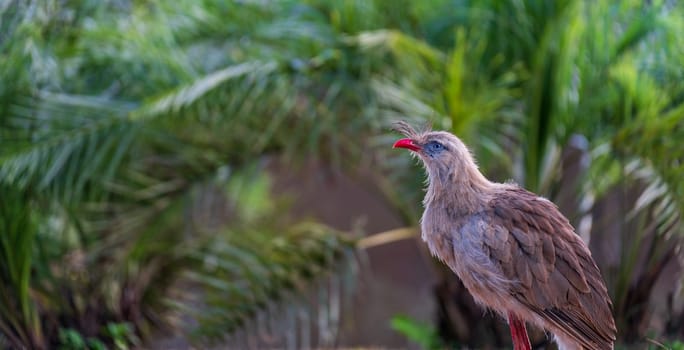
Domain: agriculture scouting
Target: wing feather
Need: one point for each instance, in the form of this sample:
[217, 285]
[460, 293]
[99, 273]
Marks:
[558, 279]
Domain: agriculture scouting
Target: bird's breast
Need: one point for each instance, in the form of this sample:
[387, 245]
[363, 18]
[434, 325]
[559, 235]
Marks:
[446, 235]
[458, 242]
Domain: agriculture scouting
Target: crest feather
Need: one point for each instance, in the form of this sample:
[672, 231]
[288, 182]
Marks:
[407, 130]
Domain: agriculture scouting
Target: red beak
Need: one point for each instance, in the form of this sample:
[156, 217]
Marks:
[408, 144]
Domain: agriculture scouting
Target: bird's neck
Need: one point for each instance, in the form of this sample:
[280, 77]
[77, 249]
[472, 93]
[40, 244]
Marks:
[465, 192]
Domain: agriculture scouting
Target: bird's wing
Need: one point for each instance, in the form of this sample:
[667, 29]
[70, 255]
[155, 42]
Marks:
[555, 275]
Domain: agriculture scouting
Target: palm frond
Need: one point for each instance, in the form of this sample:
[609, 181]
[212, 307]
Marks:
[129, 130]
[172, 102]
[60, 148]
[269, 275]
[658, 165]
[19, 319]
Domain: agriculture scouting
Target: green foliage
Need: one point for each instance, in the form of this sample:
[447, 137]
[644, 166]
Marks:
[20, 321]
[120, 335]
[673, 345]
[133, 136]
[71, 339]
[424, 335]
[107, 165]
[266, 267]
[601, 70]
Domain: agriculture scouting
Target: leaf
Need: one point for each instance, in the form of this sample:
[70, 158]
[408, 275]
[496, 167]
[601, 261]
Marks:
[424, 335]
[187, 95]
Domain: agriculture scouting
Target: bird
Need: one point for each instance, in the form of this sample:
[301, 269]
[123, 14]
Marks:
[513, 250]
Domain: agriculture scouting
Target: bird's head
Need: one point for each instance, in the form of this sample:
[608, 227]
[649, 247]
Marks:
[444, 155]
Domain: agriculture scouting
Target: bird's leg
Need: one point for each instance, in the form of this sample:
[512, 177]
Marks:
[518, 333]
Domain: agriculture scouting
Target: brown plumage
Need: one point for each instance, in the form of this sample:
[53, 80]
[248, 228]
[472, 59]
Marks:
[513, 250]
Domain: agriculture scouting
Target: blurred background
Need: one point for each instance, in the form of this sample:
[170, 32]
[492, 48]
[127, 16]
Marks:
[219, 174]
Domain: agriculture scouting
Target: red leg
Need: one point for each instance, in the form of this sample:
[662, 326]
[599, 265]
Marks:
[518, 333]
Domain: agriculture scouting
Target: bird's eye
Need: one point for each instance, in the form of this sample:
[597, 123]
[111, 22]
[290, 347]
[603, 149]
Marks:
[435, 146]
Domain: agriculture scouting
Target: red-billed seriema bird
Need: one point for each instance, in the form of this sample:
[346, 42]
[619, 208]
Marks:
[514, 251]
